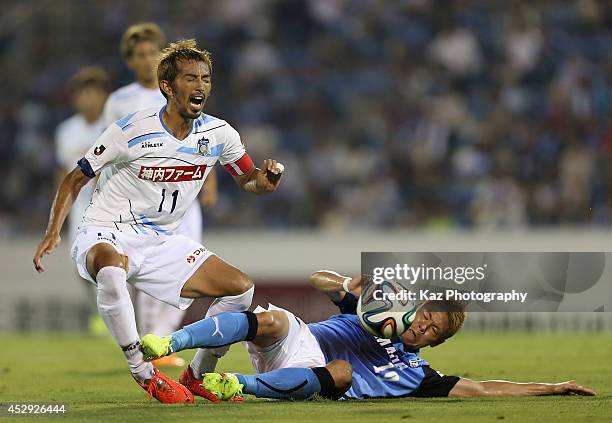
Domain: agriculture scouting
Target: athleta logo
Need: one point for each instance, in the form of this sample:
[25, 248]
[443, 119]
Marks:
[191, 258]
[172, 173]
[148, 144]
[99, 150]
[105, 237]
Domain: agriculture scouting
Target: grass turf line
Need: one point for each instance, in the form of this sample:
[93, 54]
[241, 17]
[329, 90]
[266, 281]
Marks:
[90, 375]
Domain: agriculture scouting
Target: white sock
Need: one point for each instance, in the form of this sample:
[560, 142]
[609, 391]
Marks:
[115, 307]
[156, 317]
[206, 359]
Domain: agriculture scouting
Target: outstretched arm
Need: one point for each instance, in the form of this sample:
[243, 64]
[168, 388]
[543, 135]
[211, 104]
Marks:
[64, 198]
[502, 388]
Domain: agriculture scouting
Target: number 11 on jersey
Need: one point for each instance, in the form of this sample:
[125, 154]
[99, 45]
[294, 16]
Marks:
[174, 198]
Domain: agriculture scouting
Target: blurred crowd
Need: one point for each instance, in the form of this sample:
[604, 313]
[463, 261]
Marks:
[386, 114]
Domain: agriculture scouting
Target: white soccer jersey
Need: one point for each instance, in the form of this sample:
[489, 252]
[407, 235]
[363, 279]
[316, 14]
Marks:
[148, 178]
[134, 97]
[129, 99]
[73, 137]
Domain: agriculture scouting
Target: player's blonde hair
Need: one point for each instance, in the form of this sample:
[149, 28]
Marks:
[135, 34]
[167, 67]
[455, 322]
[455, 312]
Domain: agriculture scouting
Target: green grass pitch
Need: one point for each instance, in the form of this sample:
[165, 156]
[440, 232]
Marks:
[90, 375]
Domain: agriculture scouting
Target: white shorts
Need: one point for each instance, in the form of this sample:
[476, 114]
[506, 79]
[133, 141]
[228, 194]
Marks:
[158, 265]
[298, 349]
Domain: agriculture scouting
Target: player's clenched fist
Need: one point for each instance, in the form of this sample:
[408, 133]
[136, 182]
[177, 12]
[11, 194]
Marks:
[268, 177]
[46, 246]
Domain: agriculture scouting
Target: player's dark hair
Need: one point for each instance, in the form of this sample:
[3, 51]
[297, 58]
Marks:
[135, 34]
[167, 68]
[90, 76]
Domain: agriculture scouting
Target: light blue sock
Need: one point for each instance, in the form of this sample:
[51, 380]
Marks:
[214, 331]
[291, 384]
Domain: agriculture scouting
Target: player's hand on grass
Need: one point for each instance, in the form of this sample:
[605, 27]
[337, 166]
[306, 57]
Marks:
[269, 176]
[573, 388]
[46, 246]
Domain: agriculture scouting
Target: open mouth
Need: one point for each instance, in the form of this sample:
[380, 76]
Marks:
[196, 101]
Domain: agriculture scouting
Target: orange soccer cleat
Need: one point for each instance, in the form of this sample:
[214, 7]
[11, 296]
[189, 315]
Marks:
[195, 386]
[166, 390]
[172, 360]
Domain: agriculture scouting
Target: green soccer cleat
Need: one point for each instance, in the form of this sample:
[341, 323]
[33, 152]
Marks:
[154, 347]
[224, 386]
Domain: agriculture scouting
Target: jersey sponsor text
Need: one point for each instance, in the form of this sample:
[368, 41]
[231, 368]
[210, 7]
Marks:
[172, 173]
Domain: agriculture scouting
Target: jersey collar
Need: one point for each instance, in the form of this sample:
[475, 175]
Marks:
[161, 120]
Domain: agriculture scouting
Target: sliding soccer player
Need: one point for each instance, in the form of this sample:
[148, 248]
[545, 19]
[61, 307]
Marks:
[151, 165]
[337, 358]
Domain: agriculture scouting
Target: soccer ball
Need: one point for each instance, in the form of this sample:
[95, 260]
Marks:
[384, 322]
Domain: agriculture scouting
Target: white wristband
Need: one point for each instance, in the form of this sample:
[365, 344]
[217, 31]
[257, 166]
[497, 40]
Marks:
[345, 285]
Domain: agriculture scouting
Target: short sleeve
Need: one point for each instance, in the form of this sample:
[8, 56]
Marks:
[109, 148]
[234, 157]
[435, 384]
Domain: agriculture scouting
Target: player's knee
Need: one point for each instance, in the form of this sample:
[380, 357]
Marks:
[335, 378]
[103, 255]
[342, 373]
[272, 324]
[111, 288]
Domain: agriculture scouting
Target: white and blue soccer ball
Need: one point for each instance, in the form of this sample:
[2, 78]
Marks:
[385, 319]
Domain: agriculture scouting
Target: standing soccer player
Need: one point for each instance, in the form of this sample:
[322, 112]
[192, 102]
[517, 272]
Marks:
[140, 47]
[151, 165]
[73, 137]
